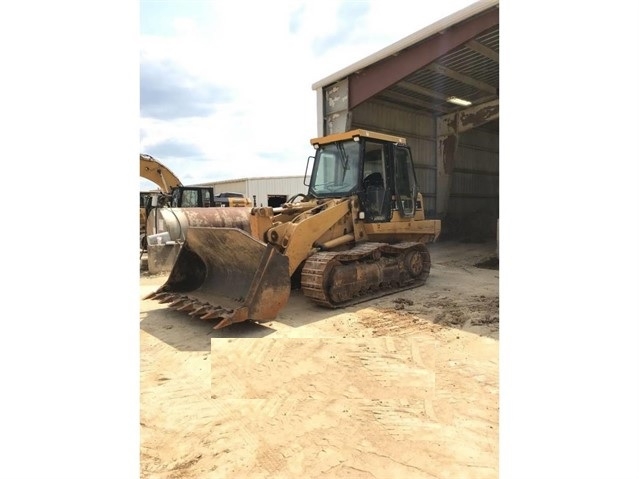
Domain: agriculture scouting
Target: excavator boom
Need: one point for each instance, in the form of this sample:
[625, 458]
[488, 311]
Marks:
[152, 170]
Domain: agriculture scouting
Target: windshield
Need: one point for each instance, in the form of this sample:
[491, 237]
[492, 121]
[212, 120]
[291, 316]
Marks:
[336, 169]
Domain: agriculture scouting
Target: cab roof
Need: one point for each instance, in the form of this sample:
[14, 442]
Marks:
[352, 134]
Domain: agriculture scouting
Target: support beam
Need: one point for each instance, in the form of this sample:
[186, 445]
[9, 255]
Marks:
[385, 73]
[393, 95]
[422, 91]
[483, 50]
[321, 115]
[467, 119]
[448, 129]
[480, 85]
[335, 108]
[446, 155]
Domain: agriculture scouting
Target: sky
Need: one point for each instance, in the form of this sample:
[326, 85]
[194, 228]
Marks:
[226, 87]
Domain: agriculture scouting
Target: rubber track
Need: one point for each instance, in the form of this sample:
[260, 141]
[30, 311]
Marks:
[319, 263]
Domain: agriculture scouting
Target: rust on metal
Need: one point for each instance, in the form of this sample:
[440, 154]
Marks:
[224, 273]
[468, 118]
[449, 150]
[186, 307]
[201, 309]
[178, 302]
[167, 299]
[367, 271]
[474, 117]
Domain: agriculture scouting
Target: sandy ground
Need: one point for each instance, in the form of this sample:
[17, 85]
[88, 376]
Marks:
[402, 386]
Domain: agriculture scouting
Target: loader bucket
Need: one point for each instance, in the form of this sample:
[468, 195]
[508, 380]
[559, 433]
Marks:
[226, 274]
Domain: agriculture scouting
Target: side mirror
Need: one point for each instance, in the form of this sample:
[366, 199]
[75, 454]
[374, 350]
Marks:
[309, 162]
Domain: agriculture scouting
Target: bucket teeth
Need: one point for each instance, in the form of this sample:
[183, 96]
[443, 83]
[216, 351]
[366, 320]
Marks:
[223, 323]
[199, 310]
[188, 306]
[167, 298]
[178, 302]
[157, 295]
[215, 312]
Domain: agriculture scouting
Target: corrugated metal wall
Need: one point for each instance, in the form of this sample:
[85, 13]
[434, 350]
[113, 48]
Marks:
[230, 186]
[419, 131]
[473, 207]
[262, 187]
[277, 186]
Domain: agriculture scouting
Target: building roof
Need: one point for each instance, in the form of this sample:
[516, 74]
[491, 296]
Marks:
[457, 56]
[252, 178]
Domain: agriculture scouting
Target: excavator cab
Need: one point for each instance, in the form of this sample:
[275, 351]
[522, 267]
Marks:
[192, 197]
[378, 168]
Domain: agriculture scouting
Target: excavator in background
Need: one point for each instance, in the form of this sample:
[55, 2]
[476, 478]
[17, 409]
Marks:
[154, 171]
[173, 194]
[360, 232]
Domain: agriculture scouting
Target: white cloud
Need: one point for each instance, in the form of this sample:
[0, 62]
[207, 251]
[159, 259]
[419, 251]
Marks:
[249, 51]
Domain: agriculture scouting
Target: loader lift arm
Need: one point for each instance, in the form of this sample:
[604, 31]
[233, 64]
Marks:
[306, 233]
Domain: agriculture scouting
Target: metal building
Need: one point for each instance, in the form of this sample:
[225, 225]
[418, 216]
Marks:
[264, 191]
[438, 88]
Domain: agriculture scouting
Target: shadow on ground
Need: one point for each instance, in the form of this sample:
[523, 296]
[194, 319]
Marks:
[187, 333]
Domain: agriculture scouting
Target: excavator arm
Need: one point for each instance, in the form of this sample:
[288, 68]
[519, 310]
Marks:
[152, 170]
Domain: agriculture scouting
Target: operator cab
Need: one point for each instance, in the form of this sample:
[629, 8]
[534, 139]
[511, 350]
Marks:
[376, 167]
[192, 197]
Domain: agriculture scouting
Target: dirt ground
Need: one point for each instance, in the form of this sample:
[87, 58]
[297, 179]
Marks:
[402, 386]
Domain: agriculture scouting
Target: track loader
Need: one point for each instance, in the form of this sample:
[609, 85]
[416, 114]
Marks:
[359, 233]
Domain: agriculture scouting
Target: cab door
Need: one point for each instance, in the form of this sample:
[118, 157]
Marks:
[405, 195]
[376, 189]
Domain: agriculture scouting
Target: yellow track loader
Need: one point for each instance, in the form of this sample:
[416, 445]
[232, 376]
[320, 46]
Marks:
[359, 233]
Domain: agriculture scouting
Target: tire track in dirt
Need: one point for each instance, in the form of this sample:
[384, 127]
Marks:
[286, 432]
[302, 429]
[403, 316]
[302, 413]
[363, 369]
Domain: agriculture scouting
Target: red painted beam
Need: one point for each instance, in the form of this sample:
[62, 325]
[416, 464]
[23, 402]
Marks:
[387, 72]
